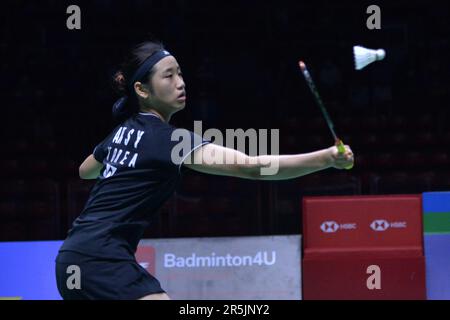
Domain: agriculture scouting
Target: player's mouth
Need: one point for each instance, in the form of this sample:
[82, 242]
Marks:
[182, 96]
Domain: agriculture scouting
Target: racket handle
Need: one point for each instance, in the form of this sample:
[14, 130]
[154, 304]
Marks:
[341, 150]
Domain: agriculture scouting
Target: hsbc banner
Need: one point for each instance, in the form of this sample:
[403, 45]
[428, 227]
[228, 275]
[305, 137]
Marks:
[367, 277]
[363, 247]
[249, 268]
[356, 223]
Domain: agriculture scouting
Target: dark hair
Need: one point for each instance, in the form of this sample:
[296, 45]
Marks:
[128, 104]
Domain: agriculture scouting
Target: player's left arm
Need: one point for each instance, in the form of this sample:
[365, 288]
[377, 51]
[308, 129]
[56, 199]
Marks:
[90, 168]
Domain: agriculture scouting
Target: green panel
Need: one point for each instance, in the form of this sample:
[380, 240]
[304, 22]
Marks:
[436, 222]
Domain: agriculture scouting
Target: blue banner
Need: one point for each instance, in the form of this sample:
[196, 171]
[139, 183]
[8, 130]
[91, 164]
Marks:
[436, 209]
[27, 270]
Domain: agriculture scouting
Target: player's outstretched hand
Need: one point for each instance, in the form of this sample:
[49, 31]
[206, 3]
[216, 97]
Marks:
[342, 160]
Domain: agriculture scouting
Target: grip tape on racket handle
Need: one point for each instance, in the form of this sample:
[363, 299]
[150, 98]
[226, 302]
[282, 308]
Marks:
[341, 149]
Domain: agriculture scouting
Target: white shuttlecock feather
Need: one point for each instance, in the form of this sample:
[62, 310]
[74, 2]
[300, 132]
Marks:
[364, 56]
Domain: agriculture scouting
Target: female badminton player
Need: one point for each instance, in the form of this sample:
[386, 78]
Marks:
[136, 173]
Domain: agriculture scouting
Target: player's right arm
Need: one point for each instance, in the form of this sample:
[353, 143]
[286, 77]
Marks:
[218, 160]
[90, 168]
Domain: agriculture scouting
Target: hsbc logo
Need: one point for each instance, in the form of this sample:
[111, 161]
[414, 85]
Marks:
[329, 226]
[383, 225]
[333, 226]
[379, 225]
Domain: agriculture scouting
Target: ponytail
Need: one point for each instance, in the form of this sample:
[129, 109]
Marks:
[127, 104]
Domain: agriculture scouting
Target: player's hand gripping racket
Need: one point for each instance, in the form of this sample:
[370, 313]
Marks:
[338, 142]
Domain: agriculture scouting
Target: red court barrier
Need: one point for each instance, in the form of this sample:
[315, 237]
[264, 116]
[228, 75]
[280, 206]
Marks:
[363, 247]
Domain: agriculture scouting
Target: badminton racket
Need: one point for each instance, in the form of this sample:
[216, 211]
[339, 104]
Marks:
[338, 142]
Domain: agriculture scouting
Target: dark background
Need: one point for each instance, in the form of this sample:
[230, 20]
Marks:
[239, 60]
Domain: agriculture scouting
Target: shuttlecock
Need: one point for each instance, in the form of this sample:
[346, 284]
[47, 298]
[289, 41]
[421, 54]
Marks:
[364, 56]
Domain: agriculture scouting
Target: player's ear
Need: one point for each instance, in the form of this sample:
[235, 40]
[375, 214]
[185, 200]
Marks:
[141, 90]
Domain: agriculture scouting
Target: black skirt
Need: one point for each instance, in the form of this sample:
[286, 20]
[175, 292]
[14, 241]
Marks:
[102, 279]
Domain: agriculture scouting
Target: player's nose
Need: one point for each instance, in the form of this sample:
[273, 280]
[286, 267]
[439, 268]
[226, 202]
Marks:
[180, 84]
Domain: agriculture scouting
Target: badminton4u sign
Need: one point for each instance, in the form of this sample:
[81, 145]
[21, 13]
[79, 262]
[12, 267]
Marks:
[242, 268]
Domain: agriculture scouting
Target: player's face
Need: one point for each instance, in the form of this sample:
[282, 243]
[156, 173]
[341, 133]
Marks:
[169, 91]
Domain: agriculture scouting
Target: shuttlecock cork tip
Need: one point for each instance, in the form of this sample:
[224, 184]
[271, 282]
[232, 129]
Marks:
[301, 64]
